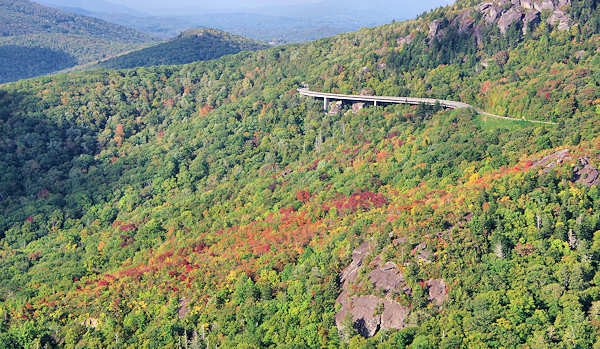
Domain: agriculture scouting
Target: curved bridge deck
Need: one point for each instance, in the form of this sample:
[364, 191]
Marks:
[405, 100]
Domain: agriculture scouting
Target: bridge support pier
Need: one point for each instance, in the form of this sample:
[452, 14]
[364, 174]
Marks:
[325, 104]
[375, 103]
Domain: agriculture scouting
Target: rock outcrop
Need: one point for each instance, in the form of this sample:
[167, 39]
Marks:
[335, 108]
[437, 291]
[183, 308]
[350, 274]
[490, 11]
[580, 54]
[394, 315]
[561, 19]
[356, 107]
[550, 161]
[583, 172]
[386, 278]
[527, 4]
[434, 28]
[368, 313]
[464, 22]
[544, 5]
[405, 40]
[423, 253]
[364, 312]
[532, 17]
[513, 15]
[504, 14]
[367, 92]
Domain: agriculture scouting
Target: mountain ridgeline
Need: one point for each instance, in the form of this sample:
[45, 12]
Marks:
[190, 46]
[37, 40]
[210, 204]
[278, 22]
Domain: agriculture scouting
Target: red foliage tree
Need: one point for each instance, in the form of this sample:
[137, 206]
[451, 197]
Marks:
[303, 196]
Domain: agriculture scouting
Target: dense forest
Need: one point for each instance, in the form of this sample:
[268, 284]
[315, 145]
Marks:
[37, 40]
[210, 204]
[189, 46]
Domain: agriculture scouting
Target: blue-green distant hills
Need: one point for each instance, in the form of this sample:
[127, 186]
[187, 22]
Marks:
[190, 46]
[37, 40]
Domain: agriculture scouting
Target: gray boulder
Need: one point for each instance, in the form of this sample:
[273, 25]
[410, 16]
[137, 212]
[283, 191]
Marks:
[356, 107]
[531, 17]
[365, 315]
[394, 315]
[541, 5]
[509, 17]
[369, 314]
[560, 19]
[585, 173]
[350, 274]
[527, 4]
[405, 40]
[564, 3]
[335, 108]
[437, 291]
[387, 277]
[434, 28]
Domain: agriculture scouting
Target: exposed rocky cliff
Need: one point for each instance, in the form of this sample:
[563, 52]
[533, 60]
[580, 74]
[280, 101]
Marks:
[504, 14]
[584, 172]
[380, 311]
[370, 313]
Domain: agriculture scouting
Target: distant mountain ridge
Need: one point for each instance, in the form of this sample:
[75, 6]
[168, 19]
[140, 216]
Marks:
[374, 10]
[23, 17]
[91, 6]
[280, 23]
[44, 40]
[190, 46]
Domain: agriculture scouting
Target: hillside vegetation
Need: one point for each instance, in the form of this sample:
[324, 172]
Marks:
[209, 204]
[190, 46]
[37, 40]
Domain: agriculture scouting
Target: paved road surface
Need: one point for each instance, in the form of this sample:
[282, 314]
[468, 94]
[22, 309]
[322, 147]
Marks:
[407, 100]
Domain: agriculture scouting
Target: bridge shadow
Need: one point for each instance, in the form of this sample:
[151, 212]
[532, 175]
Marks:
[420, 111]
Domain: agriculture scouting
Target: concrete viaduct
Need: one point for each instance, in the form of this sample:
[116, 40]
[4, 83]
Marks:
[404, 100]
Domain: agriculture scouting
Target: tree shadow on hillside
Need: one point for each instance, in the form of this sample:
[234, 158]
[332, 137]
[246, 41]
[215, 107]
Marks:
[22, 62]
[41, 159]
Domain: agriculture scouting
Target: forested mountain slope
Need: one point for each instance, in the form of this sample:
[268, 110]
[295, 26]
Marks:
[189, 46]
[36, 40]
[211, 203]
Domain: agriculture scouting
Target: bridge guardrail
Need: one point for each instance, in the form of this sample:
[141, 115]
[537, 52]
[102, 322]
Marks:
[410, 100]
